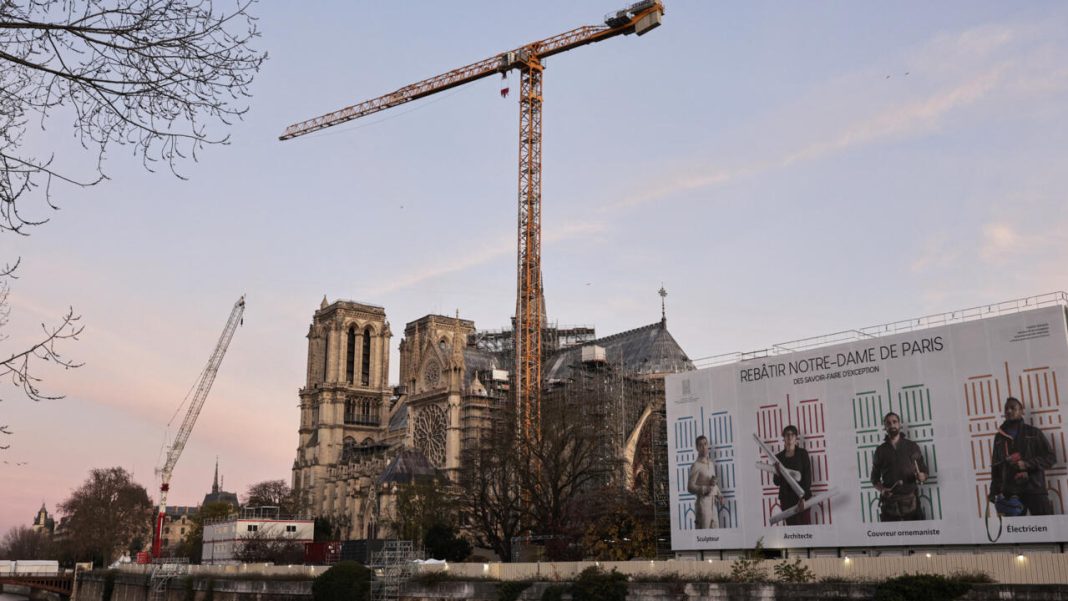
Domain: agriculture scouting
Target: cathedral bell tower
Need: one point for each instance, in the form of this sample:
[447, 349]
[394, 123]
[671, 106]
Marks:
[345, 399]
[432, 371]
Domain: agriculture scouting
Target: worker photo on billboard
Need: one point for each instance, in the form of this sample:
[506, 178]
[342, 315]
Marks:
[704, 485]
[1020, 456]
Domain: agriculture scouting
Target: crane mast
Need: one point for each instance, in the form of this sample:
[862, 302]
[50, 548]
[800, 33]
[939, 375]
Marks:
[207, 377]
[639, 18]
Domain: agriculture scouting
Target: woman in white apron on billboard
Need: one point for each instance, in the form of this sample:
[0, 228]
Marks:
[703, 485]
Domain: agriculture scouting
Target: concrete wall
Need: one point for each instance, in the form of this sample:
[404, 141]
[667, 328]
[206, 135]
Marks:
[700, 591]
[134, 587]
[1035, 568]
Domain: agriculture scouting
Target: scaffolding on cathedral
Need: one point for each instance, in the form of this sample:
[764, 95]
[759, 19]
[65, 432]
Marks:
[394, 566]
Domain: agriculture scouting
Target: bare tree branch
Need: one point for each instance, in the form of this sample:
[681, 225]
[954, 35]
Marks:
[157, 75]
[19, 366]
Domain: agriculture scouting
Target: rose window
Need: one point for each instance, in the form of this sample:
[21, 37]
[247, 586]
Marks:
[430, 428]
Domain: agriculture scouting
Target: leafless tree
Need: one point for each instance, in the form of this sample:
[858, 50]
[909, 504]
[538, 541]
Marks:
[156, 75]
[17, 368]
[267, 546]
[564, 462]
[105, 515]
[275, 493]
[22, 542]
[153, 74]
[489, 498]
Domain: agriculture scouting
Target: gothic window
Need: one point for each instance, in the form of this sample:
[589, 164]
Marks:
[348, 449]
[430, 427]
[365, 411]
[365, 375]
[350, 411]
[350, 356]
[326, 349]
[315, 415]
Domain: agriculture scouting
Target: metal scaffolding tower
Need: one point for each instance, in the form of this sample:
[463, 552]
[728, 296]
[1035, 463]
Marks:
[393, 567]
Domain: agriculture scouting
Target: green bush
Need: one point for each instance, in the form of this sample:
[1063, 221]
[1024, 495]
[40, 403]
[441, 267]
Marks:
[749, 567]
[554, 592]
[344, 581]
[594, 584]
[510, 590]
[443, 542]
[977, 577]
[920, 587]
[435, 577]
[793, 572]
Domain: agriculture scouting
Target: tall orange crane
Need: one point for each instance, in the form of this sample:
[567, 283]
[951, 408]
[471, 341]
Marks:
[638, 18]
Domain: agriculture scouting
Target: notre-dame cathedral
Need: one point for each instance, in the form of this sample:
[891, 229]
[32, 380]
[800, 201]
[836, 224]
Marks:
[361, 437]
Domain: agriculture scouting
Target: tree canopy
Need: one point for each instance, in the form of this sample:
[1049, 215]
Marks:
[106, 515]
[274, 493]
[22, 542]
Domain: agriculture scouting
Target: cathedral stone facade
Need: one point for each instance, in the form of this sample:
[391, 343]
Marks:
[361, 439]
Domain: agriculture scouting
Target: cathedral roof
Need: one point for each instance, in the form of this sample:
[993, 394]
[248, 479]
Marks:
[479, 360]
[221, 497]
[646, 350]
[399, 421]
[409, 466]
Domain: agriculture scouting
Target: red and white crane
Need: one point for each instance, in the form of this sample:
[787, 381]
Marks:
[207, 377]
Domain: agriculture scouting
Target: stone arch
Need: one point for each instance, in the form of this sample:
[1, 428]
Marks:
[639, 439]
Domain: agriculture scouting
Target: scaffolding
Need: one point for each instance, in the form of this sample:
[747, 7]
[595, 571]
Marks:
[393, 567]
[163, 572]
[660, 485]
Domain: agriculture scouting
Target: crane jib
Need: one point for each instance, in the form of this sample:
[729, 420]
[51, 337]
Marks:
[639, 18]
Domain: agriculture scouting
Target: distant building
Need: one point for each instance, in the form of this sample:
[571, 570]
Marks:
[177, 522]
[43, 522]
[217, 495]
[224, 537]
[360, 438]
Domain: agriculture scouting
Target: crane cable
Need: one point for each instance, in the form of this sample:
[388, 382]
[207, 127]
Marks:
[165, 445]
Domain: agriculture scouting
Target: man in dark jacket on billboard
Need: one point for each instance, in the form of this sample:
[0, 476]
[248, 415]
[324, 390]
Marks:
[898, 468]
[795, 458]
[1018, 464]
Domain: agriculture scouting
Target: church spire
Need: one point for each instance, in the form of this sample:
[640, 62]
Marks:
[215, 482]
[663, 307]
[457, 348]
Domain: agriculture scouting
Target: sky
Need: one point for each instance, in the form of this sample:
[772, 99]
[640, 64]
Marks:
[784, 170]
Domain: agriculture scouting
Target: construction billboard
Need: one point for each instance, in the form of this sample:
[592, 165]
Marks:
[897, 440]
